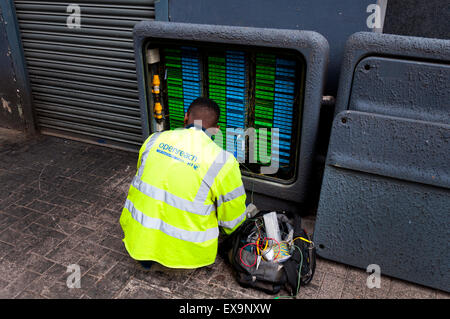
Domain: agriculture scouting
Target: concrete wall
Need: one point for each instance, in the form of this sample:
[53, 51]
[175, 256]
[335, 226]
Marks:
[11, 113]
[15, 93]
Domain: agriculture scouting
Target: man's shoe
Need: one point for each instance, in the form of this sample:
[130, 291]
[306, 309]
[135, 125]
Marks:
[146, 264]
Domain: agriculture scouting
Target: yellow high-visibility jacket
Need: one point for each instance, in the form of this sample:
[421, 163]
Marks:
[184, 189]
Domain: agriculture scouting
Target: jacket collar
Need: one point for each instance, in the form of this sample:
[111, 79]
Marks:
[195, 126]
[198, 127]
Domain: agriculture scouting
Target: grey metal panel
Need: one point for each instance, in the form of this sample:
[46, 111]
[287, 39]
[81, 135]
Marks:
[11, 114]
[401, 48]
[385, 193]
[84, 80]
[385, 197]
[14, 87]
[311, 45]
[405, 88]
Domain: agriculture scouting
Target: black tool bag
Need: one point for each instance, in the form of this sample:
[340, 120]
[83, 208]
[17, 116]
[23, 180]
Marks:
[270, 276]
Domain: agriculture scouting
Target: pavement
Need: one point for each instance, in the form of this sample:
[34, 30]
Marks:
[60, 203]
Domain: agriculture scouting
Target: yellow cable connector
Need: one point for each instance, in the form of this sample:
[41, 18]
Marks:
[156, 82]
[157, 109]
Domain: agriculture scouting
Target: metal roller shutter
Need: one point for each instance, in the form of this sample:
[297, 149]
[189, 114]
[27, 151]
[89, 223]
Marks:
[84, 80]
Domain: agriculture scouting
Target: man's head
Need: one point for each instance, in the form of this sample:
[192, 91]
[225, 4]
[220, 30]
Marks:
[205, 110]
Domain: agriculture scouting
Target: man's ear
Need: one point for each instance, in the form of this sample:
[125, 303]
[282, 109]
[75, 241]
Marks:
[186, 117]
[213, 130]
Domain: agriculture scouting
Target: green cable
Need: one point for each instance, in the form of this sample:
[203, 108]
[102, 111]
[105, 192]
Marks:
[299, 275]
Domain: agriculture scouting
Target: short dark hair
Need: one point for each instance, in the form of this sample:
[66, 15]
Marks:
[203, 104]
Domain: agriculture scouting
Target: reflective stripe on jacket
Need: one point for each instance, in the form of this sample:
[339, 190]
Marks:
[184, 189]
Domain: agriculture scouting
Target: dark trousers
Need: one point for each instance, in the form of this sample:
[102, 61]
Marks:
[147, 264]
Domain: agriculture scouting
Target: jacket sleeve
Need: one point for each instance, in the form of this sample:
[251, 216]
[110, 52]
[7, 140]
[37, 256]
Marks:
[230, 196]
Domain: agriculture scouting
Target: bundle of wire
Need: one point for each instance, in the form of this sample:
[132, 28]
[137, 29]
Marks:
[263, 244]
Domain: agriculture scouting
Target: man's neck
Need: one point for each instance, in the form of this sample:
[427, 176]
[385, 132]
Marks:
[195, 126]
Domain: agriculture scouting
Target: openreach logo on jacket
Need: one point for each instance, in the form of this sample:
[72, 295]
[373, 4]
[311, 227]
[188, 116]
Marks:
[178, 154]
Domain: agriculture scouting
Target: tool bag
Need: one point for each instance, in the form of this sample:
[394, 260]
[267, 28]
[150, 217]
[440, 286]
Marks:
[269, 276]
